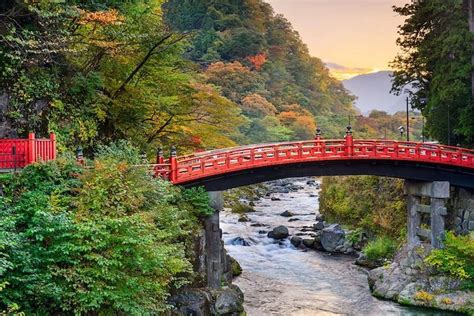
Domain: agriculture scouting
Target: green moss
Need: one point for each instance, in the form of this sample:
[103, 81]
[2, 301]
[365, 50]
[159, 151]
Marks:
[236, 268]
[241, 208]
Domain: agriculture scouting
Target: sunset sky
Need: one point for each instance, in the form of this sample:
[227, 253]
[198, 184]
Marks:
[357, 34]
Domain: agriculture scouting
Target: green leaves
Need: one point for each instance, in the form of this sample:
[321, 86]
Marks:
[111, 239]
[357, 202]
[456, 259]
[436, 61]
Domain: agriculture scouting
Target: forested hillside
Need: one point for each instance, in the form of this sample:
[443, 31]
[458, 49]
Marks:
[258, 61]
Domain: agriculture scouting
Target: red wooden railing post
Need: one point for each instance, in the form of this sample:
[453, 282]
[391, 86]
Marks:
[159, 156]
[318, 135]
[349, 141]
[174, 165]
[52, 137]
[31, 154]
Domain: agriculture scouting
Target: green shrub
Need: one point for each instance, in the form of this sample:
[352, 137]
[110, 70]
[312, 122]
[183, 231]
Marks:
[106, 240]
[456, 259]
[380, 248]
[374, 204]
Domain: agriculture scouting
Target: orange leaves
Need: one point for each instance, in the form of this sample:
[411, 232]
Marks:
[298, 119]
[258, 60]
[100, 17]
[255, 104]
[220, 67]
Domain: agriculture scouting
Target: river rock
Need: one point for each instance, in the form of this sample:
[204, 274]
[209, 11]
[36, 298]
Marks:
[319, 225]
[319, 217]
[239, 241]
[363, 261]
[296, 241]
[191, 302]
[293, 220]
[274, 198]
[287, 214]
[242, 208]
[235, 267]
[308, 243]
[332, 237]
[311, 182]
[244, 219]
[228, 301]
[280, 232]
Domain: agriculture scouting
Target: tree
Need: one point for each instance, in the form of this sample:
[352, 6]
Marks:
[299, 120]
[436, 61]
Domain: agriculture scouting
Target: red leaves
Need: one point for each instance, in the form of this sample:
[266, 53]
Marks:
[258, 60]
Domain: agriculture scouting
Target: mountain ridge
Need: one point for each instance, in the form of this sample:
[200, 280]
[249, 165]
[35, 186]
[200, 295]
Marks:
[373, 92]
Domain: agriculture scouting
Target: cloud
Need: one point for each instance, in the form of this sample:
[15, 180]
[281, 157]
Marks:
[343, 72]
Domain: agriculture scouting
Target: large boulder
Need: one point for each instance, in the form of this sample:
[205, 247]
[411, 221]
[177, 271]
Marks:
[409, 281]
[229, 300]
[280, 232]
[191, 302]
[332, 237]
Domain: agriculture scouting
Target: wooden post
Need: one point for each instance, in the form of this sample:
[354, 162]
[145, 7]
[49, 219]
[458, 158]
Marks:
[174, 165]
[52, 137]
[31, 154]
[349, 141]
[159, 156]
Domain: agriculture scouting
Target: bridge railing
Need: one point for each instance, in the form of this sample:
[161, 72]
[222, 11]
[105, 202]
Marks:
[200, 165]
[18, 153]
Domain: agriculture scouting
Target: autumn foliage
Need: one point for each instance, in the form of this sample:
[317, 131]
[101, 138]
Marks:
[257, 61]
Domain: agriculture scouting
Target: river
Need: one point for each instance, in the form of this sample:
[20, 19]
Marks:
[279, 279]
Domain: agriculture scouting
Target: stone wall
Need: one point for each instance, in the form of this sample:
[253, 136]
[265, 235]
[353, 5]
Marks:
[461, 210]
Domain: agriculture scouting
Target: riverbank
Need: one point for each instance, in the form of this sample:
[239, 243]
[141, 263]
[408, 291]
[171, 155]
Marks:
[279, 279]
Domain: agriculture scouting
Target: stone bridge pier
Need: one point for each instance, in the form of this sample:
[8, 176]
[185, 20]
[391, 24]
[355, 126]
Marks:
[216, 261]
[448, 207]
[426, 198]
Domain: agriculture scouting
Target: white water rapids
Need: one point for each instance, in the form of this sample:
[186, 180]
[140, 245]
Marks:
[279, 279]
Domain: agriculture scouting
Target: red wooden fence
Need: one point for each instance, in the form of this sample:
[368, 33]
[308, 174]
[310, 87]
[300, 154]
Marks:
[18, 153]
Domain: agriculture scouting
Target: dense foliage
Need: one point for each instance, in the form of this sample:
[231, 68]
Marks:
[436, 61]
[94, 72]
[109, 239]
[260, 62]
[374, 204]
[456, 259]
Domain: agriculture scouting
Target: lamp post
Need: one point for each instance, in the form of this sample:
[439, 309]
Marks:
[401, 129]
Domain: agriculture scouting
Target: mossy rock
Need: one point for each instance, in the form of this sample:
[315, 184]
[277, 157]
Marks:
[241, 208]
[235, 267]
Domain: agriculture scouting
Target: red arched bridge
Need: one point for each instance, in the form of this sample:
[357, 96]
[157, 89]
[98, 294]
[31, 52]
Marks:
[229, 168]
[233, 167]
